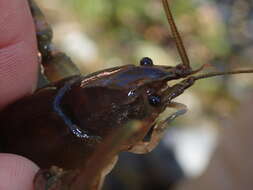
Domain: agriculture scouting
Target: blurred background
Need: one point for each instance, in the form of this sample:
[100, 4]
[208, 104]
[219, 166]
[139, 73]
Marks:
[98, 34]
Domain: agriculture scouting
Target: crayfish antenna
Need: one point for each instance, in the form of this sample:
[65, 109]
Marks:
[176, 35]
[214, 74]
[199, 69]
[178, 88]
[183, 54]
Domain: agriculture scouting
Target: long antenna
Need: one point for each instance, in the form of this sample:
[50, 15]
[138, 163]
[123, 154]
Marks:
[213, 74]
[178, 88]
[176, 35]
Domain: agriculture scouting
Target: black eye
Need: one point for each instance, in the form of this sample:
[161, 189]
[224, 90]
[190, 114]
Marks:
[154, 100]
[146, 61]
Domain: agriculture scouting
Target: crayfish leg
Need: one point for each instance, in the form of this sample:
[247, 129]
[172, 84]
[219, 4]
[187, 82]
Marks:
[54, 179]
[159, 130]
[106, 171]
[57, 65]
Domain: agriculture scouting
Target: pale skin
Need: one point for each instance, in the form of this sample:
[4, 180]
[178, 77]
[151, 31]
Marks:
[18, 77]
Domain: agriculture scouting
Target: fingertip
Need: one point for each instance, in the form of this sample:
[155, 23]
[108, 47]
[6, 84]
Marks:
[16, 22]
[16, 172]
[18, 51]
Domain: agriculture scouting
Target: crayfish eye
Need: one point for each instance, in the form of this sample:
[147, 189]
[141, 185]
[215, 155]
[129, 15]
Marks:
[146, 61]
[154, 100]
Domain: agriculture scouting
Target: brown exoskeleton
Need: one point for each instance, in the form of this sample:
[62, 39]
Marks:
[83, 121]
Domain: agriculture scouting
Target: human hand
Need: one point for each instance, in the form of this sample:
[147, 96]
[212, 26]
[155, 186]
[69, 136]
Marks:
[18, 77]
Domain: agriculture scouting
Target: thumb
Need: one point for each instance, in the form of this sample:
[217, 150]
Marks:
[16, 172]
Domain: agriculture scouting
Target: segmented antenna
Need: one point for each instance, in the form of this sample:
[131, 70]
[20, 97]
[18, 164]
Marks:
[214, 74]
[176, 35]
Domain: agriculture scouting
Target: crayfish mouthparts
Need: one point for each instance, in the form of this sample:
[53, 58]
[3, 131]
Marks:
[176, 90]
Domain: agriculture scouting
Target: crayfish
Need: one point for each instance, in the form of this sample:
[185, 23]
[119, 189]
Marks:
[80, 123]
